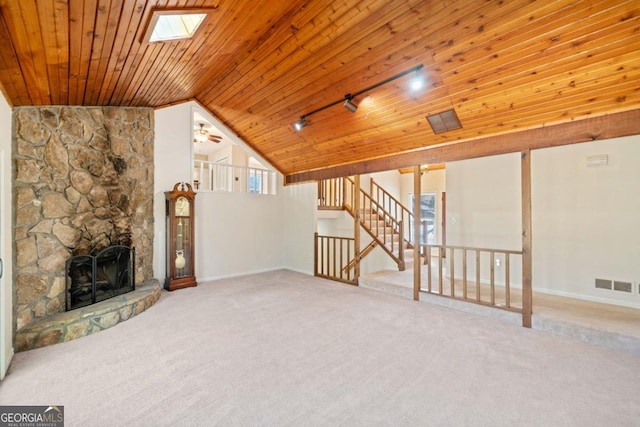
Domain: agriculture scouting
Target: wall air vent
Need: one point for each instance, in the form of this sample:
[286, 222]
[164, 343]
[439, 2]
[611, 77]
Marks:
[597, 160]
[623, 286]
[603, 284]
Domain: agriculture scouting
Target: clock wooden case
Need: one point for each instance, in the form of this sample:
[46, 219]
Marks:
[180, 237]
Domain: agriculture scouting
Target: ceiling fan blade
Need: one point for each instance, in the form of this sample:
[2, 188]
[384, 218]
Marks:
[215, 138]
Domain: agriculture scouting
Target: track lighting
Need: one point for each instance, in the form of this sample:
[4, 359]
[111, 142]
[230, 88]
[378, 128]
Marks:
[349, 104]
[348, 98]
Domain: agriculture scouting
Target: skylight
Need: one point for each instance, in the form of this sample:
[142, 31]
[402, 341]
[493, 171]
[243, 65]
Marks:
[175, 24]
[173, 27]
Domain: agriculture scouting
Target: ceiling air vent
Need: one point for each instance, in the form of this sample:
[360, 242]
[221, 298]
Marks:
[623, 286]
[603, 284]
[445, 121]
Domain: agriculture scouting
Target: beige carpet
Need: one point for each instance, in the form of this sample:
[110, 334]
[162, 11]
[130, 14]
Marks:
[284, 349]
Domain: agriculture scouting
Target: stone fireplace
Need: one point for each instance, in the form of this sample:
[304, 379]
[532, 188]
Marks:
[83, 181]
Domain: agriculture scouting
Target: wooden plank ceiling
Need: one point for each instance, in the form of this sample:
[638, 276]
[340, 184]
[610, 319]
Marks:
[505, 66]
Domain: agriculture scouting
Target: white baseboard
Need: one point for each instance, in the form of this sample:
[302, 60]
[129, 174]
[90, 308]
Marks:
[229, 276]
[583, 297]
[587, 298]
[307, 273]
[245, 273]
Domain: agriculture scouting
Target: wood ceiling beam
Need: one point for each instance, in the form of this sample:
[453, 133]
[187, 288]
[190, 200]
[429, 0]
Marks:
[591, 129]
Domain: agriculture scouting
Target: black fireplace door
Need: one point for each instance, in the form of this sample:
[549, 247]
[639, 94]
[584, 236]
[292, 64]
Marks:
[91, 279]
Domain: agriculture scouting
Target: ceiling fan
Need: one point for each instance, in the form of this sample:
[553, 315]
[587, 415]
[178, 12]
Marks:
[202, 135]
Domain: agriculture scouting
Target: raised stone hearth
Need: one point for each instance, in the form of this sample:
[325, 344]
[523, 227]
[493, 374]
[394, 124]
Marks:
[88, 320]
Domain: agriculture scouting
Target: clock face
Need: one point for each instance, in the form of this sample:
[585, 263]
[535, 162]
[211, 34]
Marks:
[182, 206]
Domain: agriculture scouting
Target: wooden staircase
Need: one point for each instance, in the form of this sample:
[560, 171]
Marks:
[385, 231]
[385, 228]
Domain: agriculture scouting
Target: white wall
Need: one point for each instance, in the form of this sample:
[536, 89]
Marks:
[6, 245]
[300, 216]
[389, 180]
[172, 162]
[236, 233]
[483, 202]
[484, 211]
[585, 219]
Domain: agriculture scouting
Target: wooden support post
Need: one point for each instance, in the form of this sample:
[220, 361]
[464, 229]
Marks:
[356, 226]
[417, 265]
[527, 264]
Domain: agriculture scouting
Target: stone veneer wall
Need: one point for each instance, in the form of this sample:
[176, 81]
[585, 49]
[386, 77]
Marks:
[83, 180]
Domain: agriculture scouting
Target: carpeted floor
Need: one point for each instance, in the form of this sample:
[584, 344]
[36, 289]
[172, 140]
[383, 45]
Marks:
[285, 349]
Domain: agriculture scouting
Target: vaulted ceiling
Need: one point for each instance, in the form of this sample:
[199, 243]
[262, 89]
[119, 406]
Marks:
[504, 66]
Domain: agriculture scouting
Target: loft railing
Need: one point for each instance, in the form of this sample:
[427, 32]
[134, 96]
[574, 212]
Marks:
[470, 274]
[332, 258]
[211, 176]
[331, 194]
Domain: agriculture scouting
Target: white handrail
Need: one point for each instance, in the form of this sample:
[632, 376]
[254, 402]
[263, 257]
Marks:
[221, 177]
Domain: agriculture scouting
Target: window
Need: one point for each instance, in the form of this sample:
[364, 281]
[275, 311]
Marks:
[255, 182]
[427, 218]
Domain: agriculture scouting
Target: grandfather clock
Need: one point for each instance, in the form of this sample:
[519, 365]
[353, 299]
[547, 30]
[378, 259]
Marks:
[180, 237]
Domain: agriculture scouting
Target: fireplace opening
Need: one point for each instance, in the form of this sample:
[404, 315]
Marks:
[91, 279]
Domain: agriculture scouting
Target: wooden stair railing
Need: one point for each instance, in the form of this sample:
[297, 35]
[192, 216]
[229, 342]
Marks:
[366, 251]
[377, 222]
[331, 257]
[383, 217]
[399, 211]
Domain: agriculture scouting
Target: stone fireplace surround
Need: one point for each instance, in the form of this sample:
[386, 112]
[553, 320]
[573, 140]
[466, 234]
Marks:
[83, 180]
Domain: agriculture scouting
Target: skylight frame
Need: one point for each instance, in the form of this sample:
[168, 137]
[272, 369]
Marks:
[157, 14]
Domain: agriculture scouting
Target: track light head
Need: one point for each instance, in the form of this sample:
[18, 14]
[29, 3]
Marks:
[349, 104]
[417, 82]
[300, 123]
